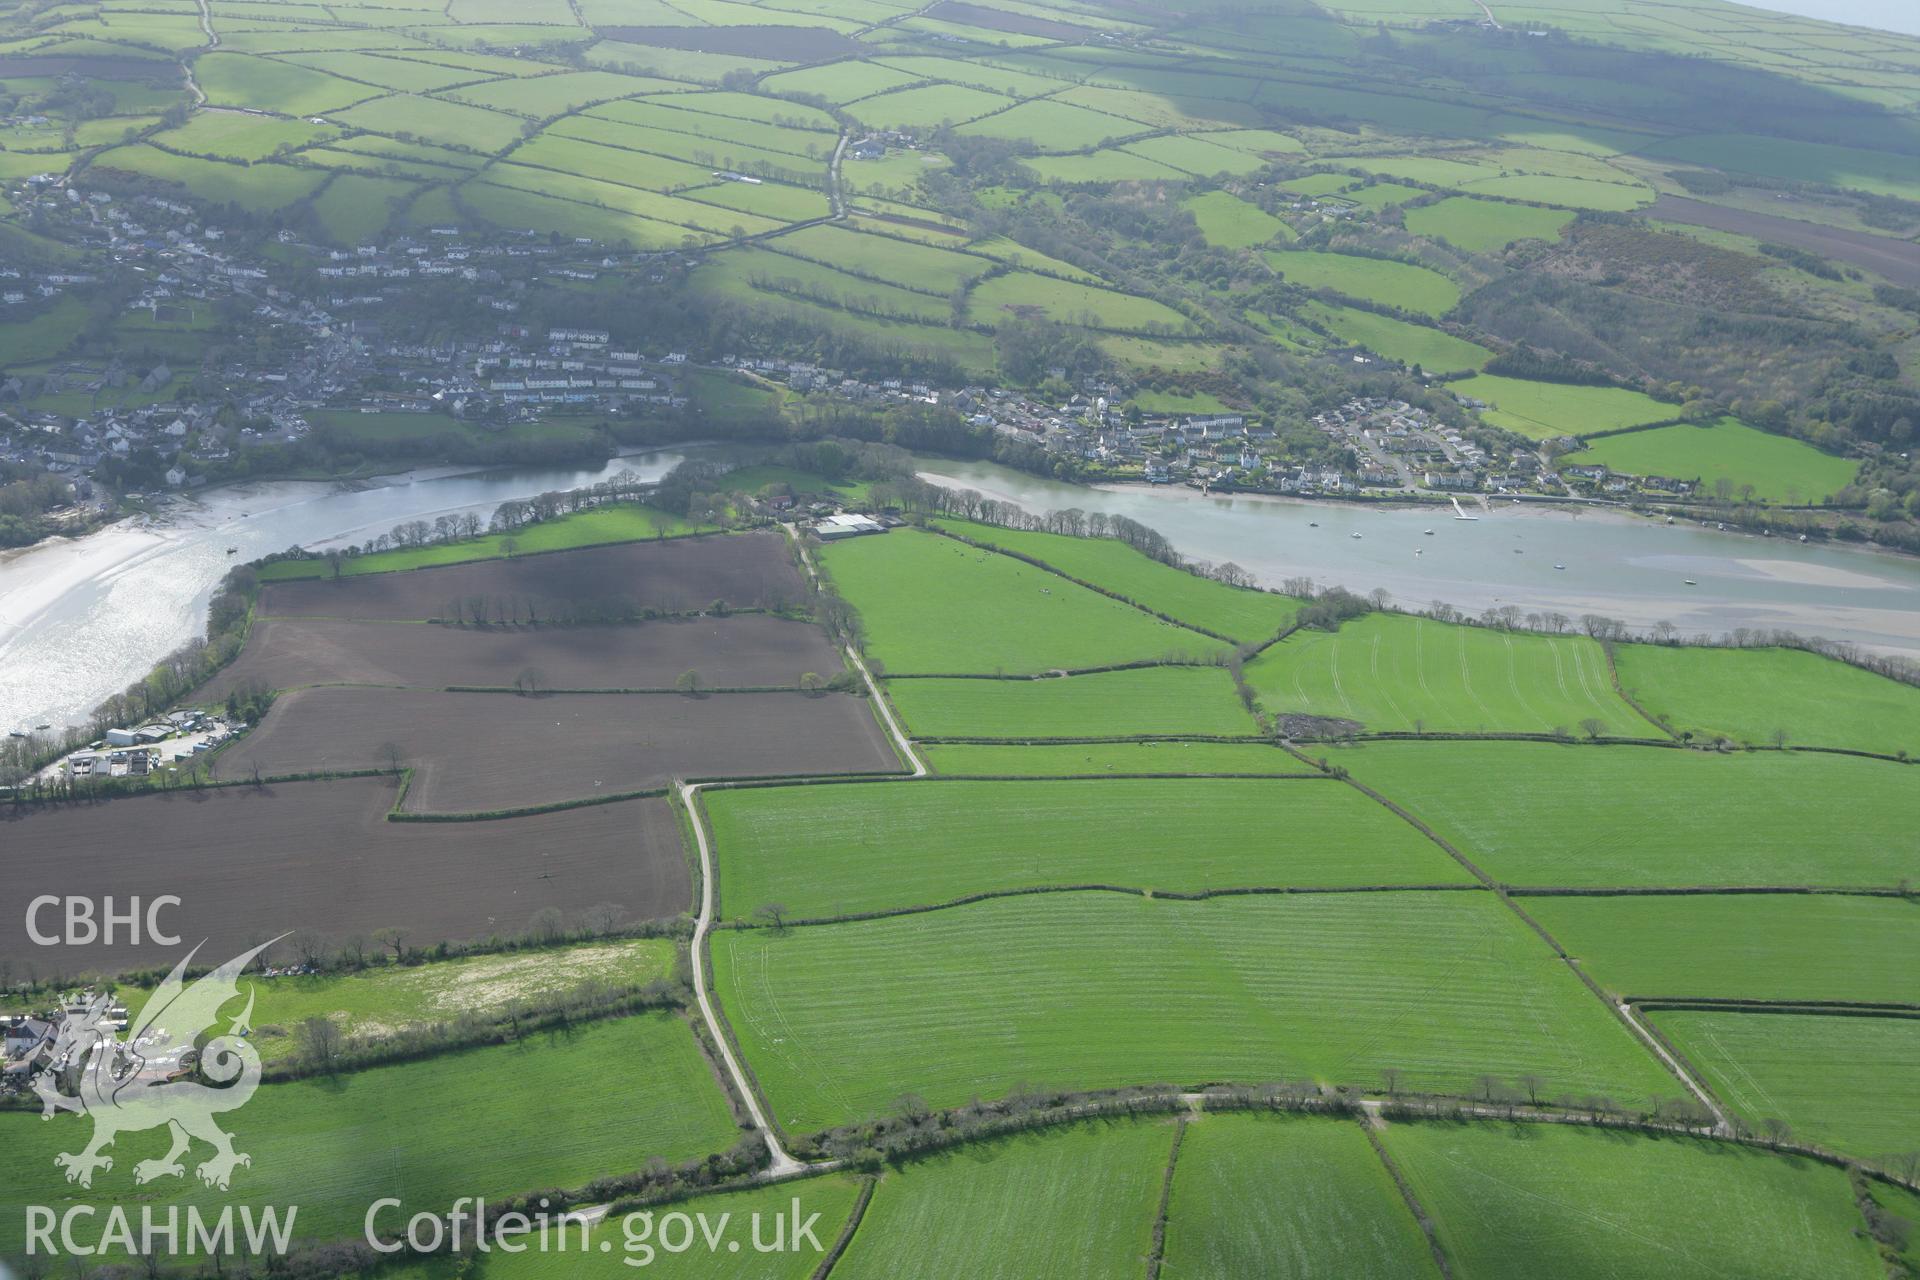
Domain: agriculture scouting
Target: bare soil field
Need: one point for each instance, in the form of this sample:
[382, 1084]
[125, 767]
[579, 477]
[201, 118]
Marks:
[733, 652]
[483, 752]
[249, 863]
[785, 43]
[101, 68]
[592, 584]
[1897, 260]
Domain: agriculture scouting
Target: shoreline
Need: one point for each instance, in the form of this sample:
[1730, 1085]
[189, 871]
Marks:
[83, 617]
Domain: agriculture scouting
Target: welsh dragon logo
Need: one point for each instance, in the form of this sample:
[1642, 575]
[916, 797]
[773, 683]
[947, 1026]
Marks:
[145, 1081]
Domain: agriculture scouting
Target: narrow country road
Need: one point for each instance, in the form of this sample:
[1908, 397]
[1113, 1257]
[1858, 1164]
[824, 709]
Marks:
[781, 1164]
[213, 42]
[836, 194]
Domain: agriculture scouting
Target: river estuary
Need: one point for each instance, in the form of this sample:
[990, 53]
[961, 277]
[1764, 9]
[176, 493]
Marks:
[83, 618]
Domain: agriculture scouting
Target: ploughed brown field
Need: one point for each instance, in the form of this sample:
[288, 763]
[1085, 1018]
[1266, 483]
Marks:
[732, 652]
[482, 752]
[751, 570]
[976, 15]
[1897, 260]
[249, 863]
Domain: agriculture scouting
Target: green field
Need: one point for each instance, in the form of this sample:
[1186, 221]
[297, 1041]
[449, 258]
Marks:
[1843, 1082]
[258, 188]
[1230, 222]
[1569, 193]
[47, 334]
[926, 107]
[1522, 1202]
[333, 1146]
[1053, 126]
[356, 209]
[1432, 349]
[1397, 674]
[1068, 301]
[1543, 410]
[906, 263]
[1108, 704]
[379, 1001]
[730, 1215]
[1098, 758]
[834, 850]
[1280, 1195]
[1235, 612]
[1395, 284]
[1779, 468]
[234, 136]
[1197, 155]
[1749, 695]
[1115, 165]
[1744, 947]
[1087, 990]
[623, 522]
[1075, 1202]
[1484, 226]
[241, 80]
[1543, 814]
[990, 612]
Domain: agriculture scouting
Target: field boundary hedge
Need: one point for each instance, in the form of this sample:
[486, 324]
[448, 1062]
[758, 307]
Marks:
[646, 691]
[1058, 673]
[1157, 1253]
[1410, 1198]
[1249, 740]
[1613, 676]
[1136, 891]
[1702, 891]
[855, 1216]
[554, 806]
[1828, 1008]
[309, 558]
[1672, 1065]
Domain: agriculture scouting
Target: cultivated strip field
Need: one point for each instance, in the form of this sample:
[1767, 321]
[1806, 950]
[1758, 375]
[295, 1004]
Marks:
[1100, 758]
[321, 857]
[1239, 613]
[1076, 1202]
[674, 576]
[1395, 674]
[991, 613]
[482, 752]
[1093, 990]
[1749, 695]
[1287, 1195]
[835, 850]
[335, 1145]
[1552, 1200]
[1746, 947]
[1108, 704]
[1846, 1082]
[732, 652]
[1551, 814]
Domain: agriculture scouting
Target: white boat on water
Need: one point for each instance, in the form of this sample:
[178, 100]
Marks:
[1460, 512]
